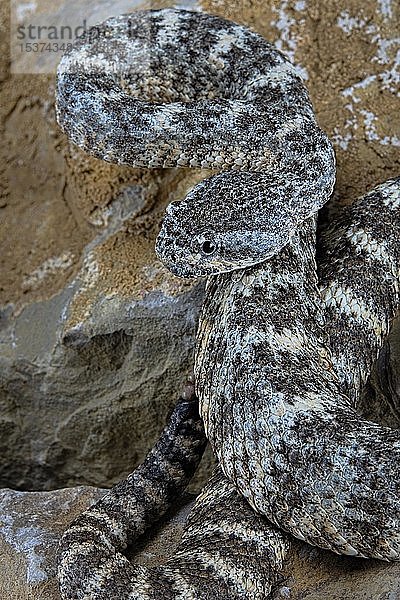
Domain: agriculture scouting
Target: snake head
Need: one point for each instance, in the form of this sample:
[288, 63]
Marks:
[231, 221]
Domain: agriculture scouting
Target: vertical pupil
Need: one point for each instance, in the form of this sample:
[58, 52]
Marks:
[208, 247]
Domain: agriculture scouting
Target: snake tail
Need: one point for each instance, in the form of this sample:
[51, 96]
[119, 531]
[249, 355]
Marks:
[90, 560]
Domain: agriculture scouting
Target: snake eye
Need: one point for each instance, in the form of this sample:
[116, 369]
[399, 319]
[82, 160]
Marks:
[208, 247]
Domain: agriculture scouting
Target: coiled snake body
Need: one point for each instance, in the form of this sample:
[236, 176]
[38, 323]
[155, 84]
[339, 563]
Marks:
[277, 350]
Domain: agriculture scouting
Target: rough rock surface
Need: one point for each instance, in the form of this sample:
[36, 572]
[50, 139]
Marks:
[31, 524]
[102, 359]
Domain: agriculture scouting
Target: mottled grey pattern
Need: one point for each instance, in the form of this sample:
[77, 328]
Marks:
[359, 266]
[272, 400]
[174, 88]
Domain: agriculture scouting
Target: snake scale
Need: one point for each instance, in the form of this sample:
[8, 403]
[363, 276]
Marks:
[283, 348]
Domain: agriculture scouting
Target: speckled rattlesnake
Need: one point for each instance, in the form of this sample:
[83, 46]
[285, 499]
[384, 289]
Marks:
[273, 359]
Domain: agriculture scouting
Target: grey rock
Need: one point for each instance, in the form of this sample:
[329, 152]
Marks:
[314, 574]
[87, 377]
[31, 524]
